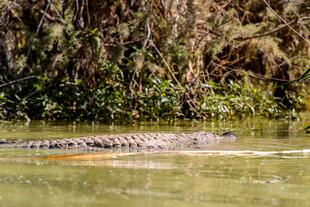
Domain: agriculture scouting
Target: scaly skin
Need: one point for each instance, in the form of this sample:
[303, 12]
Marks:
[128, 142]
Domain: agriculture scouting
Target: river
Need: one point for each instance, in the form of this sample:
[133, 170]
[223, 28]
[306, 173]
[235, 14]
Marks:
[161, 179]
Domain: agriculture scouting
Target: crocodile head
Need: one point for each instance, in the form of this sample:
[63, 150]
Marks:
[229, 136]
[201, 139]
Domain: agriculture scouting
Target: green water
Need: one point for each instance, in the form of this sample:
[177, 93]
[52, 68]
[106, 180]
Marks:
[160, 179]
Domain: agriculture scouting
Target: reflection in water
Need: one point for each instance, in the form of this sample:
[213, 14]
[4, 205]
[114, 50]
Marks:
[174, 181]
[119, 164]
[284, 131]
[250, 127]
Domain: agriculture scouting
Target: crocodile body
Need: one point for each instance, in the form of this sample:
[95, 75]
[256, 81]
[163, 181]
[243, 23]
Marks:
[128, 142]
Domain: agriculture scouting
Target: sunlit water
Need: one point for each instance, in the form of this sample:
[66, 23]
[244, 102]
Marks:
[160, 179]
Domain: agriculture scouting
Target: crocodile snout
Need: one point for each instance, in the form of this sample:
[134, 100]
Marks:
[229, 135]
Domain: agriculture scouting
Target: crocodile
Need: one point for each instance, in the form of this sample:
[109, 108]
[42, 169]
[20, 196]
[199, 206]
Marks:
[128, 142]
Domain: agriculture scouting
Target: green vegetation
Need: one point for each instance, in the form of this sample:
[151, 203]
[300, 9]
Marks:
[148, 60]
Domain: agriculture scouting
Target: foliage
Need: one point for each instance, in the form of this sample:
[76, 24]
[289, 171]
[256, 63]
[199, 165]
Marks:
[133, 60]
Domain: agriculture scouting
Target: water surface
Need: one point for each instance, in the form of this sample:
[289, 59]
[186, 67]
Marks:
[160, 179]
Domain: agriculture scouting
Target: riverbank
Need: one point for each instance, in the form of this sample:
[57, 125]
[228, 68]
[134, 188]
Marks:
[126, 62]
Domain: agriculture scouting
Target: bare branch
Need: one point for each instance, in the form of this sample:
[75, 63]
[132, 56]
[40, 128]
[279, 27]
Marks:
[18, 80]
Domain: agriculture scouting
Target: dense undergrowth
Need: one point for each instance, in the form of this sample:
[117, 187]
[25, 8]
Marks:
[148, 60]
